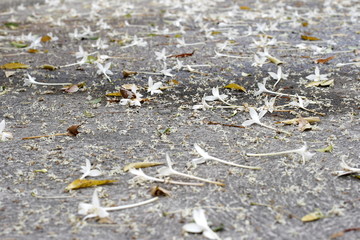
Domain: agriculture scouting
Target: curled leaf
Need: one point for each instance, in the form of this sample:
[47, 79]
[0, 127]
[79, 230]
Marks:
[312, 216]
[84, 183]
[157, 191]
[141, 165]
[45, 38]
[324, 60]
[48, 67]
[73, 130]
[324, 83]
[329, 148]
[128, 73]
[235, 87]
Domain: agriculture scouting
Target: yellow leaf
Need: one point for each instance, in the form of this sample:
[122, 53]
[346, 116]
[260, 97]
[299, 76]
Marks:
[14, 65]
[312, 216]
[32, 50]
[84, 183]
[235, 87]
[309, 38]
[45, 38]
[329, 148]
[48, 67]
[244, 8]
[141, 165]
[114, 94]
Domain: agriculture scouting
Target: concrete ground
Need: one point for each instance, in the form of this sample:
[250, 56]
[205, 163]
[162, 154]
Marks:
[219, 49]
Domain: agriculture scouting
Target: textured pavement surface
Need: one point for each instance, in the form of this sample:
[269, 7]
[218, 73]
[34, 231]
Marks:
[254, 204]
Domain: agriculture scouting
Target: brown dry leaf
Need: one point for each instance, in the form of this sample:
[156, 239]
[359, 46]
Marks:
[128, 73]
[48, 67]
[157, 191]
[84, 183]
[32, 50]
[141, 165]
[303, 124]
[45, 38]
[9, 73]
[324, 60]
[14, 65]
[173, 82]
[235, 86]
[127, 93]
[73, 130]
[312, 216]
[71, 89]
[309, 38]
[324, 83]
[341, 233]
[296, 120]
[183, 55]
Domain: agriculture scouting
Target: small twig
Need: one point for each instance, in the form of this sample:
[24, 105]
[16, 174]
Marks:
[52, 135]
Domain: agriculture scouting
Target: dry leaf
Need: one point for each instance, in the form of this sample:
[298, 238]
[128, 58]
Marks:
[73, 130]
[45, 38]
[173, 82]
[141, 165]
[14, 65]
[127, 93]
[325, 83]
[309, 38]
[84, 183]
[329, 148]
[32, 50]
[303, 124]
[296, 120]
[159, 192]
[235, 86]
[245, 8]
[312, 216]
[128, 73]
[114, 94]
[9, 73]
[324, 60]
[72, 88]
[182, 55]
[48, 67]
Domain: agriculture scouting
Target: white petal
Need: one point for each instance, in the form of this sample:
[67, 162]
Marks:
[95, 173]
[95, 199]
[200, 150]
[2, 126]
[273, 75]
[248, 123]
[210, 234]
[198, 160]
[254, 115]
[84, 208]
[192, 228]
[210, 98]
[200, 218]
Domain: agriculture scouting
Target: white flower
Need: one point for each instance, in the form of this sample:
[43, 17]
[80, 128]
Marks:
[4, 136]
[301, 104]
[154, 87]
[216, 95]
[136, 101]
[161, 55]
[86, 170]
[200, 225]
[346, 169]
[317, 76]
[104, 70]
[305, 155]
[81, 53]
[258, 61]
[255, 117]
[31, 80]
[95, 210]
[278, 76]
[203, 105]
[205, 156]
[168, 171]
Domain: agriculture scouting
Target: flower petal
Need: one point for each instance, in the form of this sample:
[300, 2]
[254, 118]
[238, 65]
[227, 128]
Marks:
[192, 228]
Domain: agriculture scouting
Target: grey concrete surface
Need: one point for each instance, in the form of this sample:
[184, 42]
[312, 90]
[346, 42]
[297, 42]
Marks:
[254, 204]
